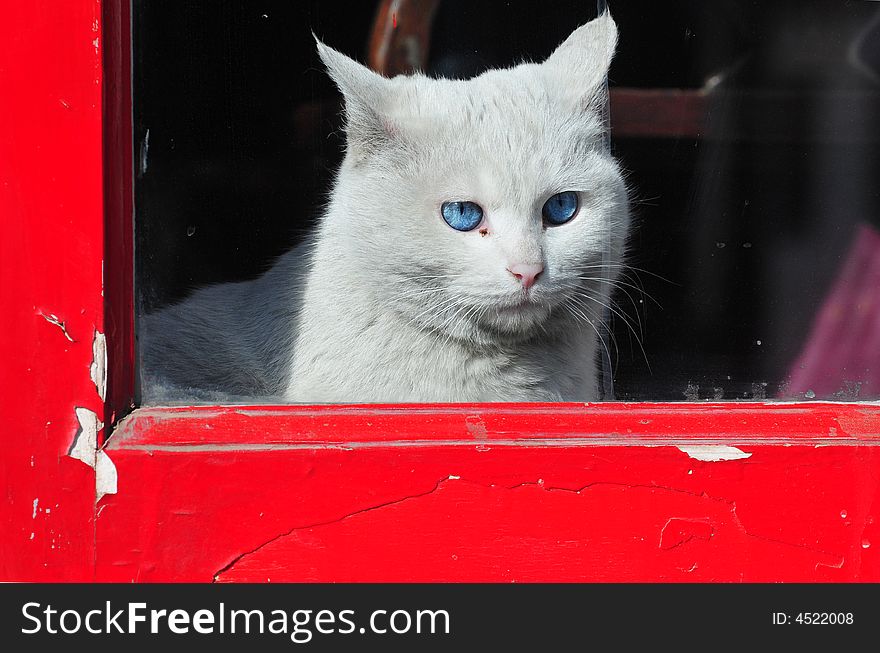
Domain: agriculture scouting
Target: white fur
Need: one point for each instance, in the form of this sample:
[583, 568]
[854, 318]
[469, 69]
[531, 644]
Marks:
[385, 302]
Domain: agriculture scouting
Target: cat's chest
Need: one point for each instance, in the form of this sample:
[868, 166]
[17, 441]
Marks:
[381, 360]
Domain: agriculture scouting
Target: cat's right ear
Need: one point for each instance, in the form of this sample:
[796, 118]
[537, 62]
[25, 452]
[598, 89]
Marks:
[579, 66]
[366, 93]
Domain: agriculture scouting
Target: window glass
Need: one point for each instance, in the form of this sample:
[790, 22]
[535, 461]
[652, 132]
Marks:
[747, 134]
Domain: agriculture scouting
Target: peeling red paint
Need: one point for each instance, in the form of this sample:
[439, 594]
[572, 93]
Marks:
[425, 510]
[468, 531]
[52, 319]
[476, 427]
[720, 424]
[564, 493]
[51, 246]
[678, 531]
[514, 492]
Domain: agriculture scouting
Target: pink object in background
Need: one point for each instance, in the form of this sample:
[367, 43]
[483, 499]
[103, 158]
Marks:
[841, 357]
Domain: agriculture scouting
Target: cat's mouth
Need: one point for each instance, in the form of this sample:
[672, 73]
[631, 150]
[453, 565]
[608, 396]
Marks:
[527, 300]
[518, 303]
[522, 310]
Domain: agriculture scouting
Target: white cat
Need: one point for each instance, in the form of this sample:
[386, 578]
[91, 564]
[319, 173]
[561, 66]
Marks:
[471, 241]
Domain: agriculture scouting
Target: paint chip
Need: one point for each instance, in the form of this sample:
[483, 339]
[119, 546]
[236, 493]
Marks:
[681, 530]
[85, 449]
[476, 427]
[54, 319]
[98, 369]
[713, 452]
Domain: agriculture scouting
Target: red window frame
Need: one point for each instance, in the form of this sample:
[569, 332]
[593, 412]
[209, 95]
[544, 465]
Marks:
[511, 492]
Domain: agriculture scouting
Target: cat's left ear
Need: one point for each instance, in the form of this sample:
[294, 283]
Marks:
[579, 67]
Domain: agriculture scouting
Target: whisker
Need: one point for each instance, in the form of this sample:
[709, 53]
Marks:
[437, 308]
[610, 332]
[627, 266]
[622, 316]
[635, 306]
[621, 285]
[578, 315]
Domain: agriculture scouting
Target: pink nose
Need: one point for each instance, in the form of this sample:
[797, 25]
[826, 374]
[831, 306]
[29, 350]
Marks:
[527, 273]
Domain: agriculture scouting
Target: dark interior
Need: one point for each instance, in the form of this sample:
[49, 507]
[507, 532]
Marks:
[742, 229]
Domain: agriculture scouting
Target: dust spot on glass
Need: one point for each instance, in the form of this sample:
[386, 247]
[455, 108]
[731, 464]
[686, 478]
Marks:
[850, 391]
[692, 392]
[759, 390]
[747, 245]
[784, 389]
[190, 230]
[720, 245]
[809, 394]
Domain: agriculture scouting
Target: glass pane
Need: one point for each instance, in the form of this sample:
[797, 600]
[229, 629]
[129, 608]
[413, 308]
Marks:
[747, 135]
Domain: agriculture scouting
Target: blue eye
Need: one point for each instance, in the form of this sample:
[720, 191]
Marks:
[462, 216]
[560, 208]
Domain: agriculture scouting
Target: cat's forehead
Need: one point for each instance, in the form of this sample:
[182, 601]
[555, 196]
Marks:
[512, 113]
[510, 93]
[509, 152]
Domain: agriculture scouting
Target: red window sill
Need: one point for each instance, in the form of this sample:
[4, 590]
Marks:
[511, 493]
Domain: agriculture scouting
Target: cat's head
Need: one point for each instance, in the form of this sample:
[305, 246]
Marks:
[488, 204]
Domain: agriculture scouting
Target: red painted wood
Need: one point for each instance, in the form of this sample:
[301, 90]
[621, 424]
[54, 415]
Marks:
[486, 493]
[501, 493]
[51, 248]
[229, 427]
[119, 198]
